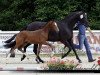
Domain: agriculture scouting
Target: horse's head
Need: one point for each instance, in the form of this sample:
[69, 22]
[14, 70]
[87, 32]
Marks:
[74, 17]
[82, 17]
[53, 26]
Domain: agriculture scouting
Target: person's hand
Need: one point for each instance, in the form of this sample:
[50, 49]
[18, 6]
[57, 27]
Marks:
[92, 34]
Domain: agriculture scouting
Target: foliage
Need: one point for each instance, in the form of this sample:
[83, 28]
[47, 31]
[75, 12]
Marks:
[14, 14]
[98, 61]
[58, 64]
[53, 9]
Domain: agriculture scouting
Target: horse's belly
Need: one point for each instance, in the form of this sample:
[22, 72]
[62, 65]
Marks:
[53, 36]
[35, 41]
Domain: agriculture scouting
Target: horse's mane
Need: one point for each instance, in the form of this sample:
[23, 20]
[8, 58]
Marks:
[72, 14]
[47, 23]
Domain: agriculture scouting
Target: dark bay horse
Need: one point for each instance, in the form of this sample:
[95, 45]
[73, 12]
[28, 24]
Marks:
[39, 36]
[65, 34]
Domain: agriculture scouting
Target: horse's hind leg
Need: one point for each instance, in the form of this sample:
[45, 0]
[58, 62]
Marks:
[24, 53]
[11, 51]
[12, 55]
[23, 57]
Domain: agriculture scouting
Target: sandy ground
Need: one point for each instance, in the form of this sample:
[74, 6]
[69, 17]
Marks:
[32, 73]
[13, 63]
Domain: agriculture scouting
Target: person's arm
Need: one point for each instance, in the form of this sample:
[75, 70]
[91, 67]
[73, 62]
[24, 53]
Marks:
[91, 32]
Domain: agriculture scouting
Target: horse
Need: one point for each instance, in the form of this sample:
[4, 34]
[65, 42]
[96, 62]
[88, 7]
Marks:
[65, 34]
[39, 36]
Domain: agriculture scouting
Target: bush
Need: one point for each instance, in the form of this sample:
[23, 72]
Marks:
[58, 64]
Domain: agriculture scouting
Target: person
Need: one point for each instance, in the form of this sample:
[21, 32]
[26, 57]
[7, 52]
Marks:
[83, 40]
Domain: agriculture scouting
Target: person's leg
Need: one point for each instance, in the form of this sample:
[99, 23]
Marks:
[81, 42]
[88, 52]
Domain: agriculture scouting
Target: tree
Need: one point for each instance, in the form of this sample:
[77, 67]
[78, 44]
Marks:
[15, 14]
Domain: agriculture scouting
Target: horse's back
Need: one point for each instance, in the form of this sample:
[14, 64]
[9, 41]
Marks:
[35, 25]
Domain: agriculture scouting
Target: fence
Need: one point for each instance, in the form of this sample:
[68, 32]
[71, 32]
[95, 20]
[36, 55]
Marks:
[94, 42]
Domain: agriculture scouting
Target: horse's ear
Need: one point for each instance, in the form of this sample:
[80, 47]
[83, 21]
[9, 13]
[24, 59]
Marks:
[53, 20]
[81, 16]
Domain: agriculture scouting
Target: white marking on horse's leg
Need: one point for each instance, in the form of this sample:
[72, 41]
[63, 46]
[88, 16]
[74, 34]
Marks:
[8, 55]
[52, 54]
[53, 51]
[26, 55]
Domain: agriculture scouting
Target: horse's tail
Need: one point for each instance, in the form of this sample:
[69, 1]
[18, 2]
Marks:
[9, 45]
[9, 40]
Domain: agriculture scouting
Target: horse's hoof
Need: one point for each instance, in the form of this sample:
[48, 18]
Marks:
[42, 61]
[28, 58]
[37, 61]
[80, 61]
[12, 55]
[6, 59]
[62, 57]
[23, 58]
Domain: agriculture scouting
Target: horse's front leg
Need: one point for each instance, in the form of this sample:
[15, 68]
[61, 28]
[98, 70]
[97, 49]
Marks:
[35, 51]
[77, 57]
[66, 43]
[38, 52]
[69, 43]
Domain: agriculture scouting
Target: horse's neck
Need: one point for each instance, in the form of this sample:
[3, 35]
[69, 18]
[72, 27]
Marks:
[45, 32]
[71, 23]
[46, 29]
